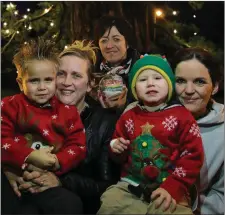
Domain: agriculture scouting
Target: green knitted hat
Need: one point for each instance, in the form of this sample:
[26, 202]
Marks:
[154, 62]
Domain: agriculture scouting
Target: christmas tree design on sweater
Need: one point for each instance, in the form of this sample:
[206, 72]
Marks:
[148, 164]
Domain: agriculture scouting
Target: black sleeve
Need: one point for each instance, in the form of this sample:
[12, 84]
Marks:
[82, 185]
[86, 186]
[107, 171]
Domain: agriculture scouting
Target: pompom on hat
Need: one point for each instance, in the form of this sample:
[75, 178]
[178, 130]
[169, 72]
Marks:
[157, 63]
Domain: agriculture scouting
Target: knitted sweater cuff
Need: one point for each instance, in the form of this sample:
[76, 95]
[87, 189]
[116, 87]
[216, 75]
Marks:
[176, 189]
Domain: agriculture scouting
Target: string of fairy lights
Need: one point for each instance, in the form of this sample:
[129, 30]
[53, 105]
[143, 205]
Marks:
[12, 8]
[159, 14]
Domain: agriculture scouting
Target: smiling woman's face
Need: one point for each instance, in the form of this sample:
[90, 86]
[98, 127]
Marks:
[113, 46]
[194, 86]
[72, 80]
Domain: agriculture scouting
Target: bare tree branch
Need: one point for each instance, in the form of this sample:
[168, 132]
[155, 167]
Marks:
[7, 44]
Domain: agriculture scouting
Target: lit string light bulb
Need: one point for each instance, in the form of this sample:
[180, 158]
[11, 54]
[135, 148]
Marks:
[46, 10]
[17, 32]
[174, 31]
[25, 16]
[158, 13]
[52, 24]
[10, 5]
[7, 31]
[66, 47]
[5, 23]
[195, 33]
[194, 16]
[16, 12]
[174, 13]
[28, 9]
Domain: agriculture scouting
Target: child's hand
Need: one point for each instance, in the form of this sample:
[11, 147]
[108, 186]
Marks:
[42, 158]
[119, 145]
[161, 196]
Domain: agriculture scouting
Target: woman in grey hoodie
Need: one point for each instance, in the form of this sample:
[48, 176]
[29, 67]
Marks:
[197, 79]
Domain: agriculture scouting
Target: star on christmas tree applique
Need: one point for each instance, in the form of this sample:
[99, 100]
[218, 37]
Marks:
[146, 128]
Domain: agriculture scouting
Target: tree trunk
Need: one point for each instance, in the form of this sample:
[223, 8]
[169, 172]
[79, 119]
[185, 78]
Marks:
[120, 8]
[147, 36]
[138, 36]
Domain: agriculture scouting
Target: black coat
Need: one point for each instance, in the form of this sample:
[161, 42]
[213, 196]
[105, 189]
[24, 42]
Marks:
[98, 171]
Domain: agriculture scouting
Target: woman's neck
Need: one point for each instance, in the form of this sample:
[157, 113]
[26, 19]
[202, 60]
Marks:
[80, 106]
[118, 63]
[204, 112]
[115, 64]
[201, 114]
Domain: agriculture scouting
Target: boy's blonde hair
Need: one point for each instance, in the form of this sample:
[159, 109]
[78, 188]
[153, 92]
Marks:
[35, 50]
[84, 50]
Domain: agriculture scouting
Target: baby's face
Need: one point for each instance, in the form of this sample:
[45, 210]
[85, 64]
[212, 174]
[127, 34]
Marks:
[151, 88]
[38, 82]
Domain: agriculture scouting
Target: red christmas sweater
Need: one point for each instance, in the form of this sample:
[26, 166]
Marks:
[165, 146]
[23, 125]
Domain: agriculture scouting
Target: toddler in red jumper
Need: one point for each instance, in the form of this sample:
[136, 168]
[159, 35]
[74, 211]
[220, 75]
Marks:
[159, 145]
[36, 128]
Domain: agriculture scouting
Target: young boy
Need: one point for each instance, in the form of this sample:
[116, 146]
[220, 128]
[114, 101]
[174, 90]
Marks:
[36, 118]
[159, 145]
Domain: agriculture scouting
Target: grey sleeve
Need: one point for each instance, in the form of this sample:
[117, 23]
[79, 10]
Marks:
[213, 200]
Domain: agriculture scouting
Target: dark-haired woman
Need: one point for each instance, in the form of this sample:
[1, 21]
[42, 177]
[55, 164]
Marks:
[115, 37]
[197, 79]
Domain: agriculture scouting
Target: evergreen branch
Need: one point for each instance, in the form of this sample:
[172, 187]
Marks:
[185, 45]
[20, 22]
[7, 44]
[35, 18]
[41, 15]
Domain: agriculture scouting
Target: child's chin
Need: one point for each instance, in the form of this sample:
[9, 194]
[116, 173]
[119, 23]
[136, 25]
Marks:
[42, 102]
[151, 103]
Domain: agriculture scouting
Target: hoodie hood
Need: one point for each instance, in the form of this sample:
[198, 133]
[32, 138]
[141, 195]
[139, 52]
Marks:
[215, 116]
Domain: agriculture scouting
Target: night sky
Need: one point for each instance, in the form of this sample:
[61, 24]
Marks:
[209, 19]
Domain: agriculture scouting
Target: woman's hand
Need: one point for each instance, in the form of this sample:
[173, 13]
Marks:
[14, 180]
[43, 180]
[162, 198]
[114, 101]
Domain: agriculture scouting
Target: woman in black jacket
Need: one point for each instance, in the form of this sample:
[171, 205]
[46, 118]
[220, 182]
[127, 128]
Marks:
[97, 172]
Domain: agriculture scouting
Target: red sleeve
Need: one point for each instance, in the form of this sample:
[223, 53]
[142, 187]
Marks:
[74, 147]
[189, 159]
[120, 132]
[13, 146]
